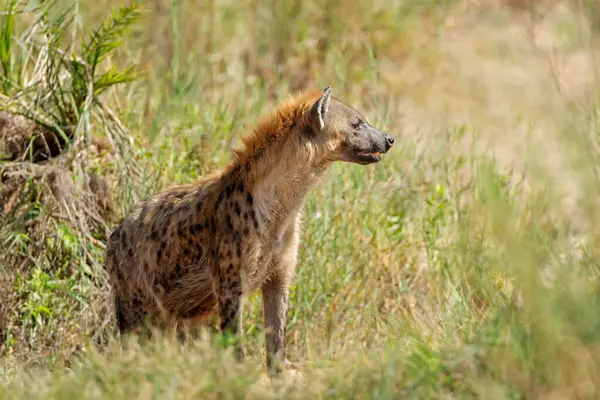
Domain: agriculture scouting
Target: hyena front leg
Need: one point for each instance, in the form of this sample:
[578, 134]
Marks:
[276, 295]
[229, 296]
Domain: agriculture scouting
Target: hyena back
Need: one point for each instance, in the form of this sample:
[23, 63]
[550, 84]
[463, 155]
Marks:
[195, 249]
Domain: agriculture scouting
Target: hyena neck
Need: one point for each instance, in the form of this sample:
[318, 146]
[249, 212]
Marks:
[282, 176]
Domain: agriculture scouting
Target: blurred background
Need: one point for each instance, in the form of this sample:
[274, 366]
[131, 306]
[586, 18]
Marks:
[465, 264]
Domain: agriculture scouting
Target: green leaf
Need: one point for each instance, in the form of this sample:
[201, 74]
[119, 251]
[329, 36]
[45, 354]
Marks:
[6, 38]
[110, 35]
[113, 77]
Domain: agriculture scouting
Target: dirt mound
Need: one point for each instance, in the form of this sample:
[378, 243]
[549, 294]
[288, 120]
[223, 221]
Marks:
[45, 207]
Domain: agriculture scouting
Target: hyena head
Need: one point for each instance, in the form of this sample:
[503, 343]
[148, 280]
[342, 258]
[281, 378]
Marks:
[346, 131]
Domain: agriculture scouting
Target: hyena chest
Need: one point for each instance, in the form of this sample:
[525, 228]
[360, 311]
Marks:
[262, 260]
[255, 265]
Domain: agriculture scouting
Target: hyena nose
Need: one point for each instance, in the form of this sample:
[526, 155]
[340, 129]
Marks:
[389, 140]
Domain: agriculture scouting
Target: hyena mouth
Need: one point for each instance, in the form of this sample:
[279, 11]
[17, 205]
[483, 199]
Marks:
[369, 157]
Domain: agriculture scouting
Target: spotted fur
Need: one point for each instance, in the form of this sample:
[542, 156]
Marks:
[195, 249]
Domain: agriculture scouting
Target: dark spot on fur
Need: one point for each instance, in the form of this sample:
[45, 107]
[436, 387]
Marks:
[186, 251]
[249, 199]
[159, 253]
[120, 276]
[213, 226]
[190, 241]
[219, 200]
[157, 226]
[231, 316]
[198, 228]
[166, 217]
[228, 221]
[144, 212]
[199, 206]
[130, 252]
[246, 230]
[154, 235]
[167, 285]
[254, 220]
[137, 302]
[228, 191]
[157, 280]
[239, 250]
[175, 275]
[237, 208]
[240, 187]
[230, 268]
[246, 215]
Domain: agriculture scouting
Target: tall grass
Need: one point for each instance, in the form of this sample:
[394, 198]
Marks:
[54, 208]
[442, 272]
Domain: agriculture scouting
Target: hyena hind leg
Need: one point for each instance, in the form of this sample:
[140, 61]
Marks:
[131, 317]
[230, 303]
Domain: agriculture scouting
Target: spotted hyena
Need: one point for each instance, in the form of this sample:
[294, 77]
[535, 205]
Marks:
[196, 249]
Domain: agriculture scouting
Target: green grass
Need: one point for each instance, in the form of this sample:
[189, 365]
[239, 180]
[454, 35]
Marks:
[437, 273]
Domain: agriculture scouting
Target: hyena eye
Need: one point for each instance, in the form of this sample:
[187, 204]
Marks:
[357, 124]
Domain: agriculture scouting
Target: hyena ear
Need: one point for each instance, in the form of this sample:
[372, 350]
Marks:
[319, 110]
